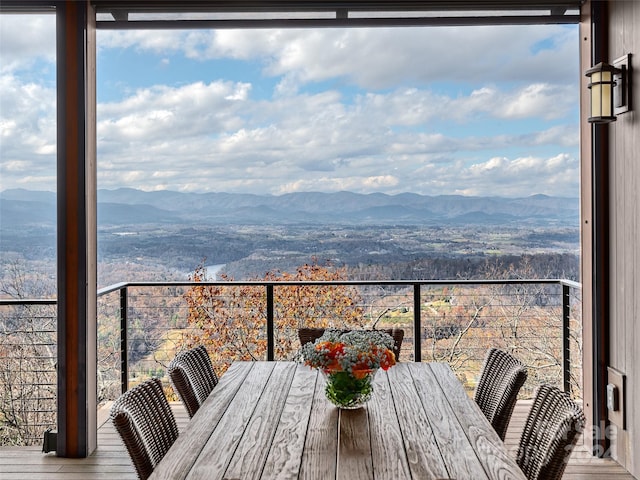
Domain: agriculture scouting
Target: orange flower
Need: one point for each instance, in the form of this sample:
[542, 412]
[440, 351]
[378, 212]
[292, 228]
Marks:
[388, 361]
[359, 372]
[354, 352]
[323, 346]
[334, 366]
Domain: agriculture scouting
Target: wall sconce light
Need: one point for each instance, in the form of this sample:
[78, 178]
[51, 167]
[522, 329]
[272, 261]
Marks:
[610, 89]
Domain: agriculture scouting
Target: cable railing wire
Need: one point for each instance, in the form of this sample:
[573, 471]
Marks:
[141, 325]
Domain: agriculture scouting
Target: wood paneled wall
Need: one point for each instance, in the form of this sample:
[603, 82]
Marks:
[624, 181]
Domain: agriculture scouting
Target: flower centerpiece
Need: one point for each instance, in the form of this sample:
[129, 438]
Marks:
[349, 361]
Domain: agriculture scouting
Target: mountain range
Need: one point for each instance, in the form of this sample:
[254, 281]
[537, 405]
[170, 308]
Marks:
[126, 206]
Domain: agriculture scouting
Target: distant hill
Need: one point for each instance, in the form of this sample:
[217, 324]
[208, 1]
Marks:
[125, 206]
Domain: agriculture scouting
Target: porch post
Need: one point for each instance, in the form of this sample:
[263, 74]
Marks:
[76, 209]
[600, 241]
[595, 232]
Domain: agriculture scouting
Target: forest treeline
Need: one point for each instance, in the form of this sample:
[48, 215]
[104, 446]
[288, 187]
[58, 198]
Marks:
[564, 266]
[23, 278]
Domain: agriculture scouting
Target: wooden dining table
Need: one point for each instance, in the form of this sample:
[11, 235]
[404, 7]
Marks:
[271, 420]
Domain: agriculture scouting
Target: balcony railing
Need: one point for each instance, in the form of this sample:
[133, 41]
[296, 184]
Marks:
[141, 325]
[28, 339]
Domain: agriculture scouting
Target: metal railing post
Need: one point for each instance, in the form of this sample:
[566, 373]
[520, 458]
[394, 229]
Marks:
[124, 360]
[566, 337]
[270, 324]
[417, 324]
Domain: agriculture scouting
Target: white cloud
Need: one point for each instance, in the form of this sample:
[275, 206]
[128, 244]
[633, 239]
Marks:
[535, 100]
[27, 133]
[161, 112]
[557, 175]
[24, 39]
[380, 58]
[541, 100]
[160, 42]
[180, 137]
[562, 135]
[333, 184]
[398, 132]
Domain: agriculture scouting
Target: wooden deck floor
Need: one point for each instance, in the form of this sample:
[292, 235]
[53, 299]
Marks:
[110, 461]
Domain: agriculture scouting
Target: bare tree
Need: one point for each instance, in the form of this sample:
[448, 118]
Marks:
[27, 357]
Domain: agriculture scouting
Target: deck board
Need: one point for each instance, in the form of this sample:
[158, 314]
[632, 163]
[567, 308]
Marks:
[110, 460]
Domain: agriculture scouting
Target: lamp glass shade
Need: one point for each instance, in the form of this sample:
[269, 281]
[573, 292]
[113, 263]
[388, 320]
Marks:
[601, 87]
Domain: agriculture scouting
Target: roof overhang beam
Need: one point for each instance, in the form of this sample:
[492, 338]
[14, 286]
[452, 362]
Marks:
[220, 14]
[167, 14]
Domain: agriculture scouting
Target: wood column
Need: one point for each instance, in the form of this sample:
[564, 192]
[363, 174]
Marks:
[596, 245]
[586, 220]
[76, 173]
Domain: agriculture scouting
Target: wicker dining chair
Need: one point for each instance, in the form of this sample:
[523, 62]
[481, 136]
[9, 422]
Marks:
[552, 429]
[193, 378]
[144, 420]
[501, 378]
[307, 335]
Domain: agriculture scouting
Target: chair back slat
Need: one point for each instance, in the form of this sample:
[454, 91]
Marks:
[551, 431]
[144, 420]
[193, 378]
[501, 377]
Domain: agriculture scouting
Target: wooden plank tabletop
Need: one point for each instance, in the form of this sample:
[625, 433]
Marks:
[271, 420]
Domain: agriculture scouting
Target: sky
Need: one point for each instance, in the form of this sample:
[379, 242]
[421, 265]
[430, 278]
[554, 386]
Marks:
[480, 111]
